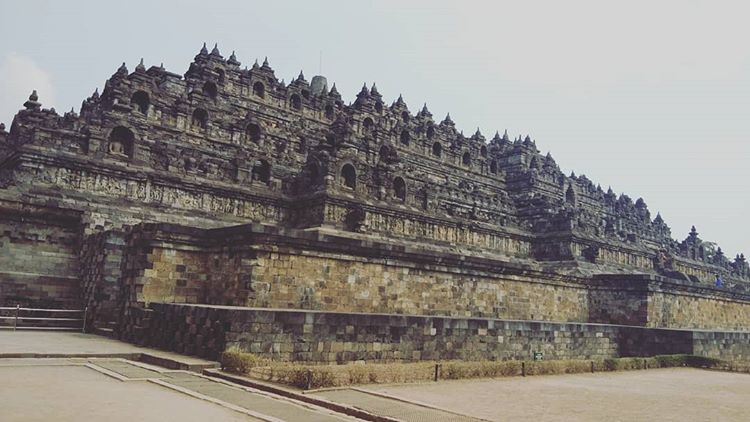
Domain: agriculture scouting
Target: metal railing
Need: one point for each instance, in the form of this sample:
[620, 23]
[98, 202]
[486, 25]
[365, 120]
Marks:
[57, 317]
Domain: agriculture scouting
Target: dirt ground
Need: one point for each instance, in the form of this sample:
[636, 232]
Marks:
[680, 394]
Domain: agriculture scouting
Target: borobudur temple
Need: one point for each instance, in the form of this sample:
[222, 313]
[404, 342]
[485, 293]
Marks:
[226, 208]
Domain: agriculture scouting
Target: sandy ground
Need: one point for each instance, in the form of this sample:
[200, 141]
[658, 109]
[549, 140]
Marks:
[682, 394]
[76, 393]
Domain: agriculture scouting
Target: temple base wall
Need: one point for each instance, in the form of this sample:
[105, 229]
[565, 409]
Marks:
[653, 301]
[38, 256]
[263, 267]
[343, 275]
[338, 337]
[101, 256]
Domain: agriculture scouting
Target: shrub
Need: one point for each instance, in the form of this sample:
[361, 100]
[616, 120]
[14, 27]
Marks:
[556, 367]
[237, 361]
[670, 361]
[702, 362]
[325, 376]
[480, 369]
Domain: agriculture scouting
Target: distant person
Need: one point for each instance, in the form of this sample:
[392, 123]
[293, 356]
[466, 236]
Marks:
[719, 281]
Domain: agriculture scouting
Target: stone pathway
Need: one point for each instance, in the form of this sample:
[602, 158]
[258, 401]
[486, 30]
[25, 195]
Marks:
[670, 394]
[35, 366]
[258, 404]
[127, 370]
[388, 407]
[62, 390]
[247, 404]
[34, 344]
[262, 403]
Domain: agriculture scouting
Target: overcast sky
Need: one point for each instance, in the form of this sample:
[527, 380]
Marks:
[650, 97]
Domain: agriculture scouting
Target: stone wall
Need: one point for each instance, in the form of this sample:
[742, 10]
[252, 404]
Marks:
[301, 295]
[198, 331]
[163, 271]
[335, 337]
[674, 308]
[627, 305]
[38, 256]
[346, 283]
[262, 266]
[107, 198]
[654, 301]
[410, 223]
[722, 345]
[101, 257]
[231, 279]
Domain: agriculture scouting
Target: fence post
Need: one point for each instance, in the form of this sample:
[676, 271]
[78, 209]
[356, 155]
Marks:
[523, 368]
[592, 366]
[15, 320]
[438, 367]
[85, 311]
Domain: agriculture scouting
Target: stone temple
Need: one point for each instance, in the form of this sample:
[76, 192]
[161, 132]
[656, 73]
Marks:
[226, 208]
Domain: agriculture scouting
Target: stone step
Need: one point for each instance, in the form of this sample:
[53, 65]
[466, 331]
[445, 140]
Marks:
[105, 331]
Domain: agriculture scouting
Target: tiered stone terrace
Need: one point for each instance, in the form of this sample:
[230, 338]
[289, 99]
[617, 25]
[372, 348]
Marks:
[226, 186]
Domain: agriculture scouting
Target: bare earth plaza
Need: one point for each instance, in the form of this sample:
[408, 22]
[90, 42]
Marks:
[217, 243]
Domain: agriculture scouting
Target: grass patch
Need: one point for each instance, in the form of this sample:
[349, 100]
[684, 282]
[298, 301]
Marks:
[308, 376]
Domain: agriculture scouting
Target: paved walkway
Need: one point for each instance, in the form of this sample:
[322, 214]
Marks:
[53, 376]
[55, 343]
[263, 403]
[383, 406]
[74, 389]
[69, 393]
[680, 394]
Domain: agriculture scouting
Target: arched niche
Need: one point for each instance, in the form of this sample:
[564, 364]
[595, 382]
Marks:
[295, 102]
[368, 124]
[120, 142]
[262, 171]
[399, 188]
[210, 90]
[259, 90]
[437, 149]
[349, 176]
[199, 119]
[140, 101]
[253, 132]
[405, 137]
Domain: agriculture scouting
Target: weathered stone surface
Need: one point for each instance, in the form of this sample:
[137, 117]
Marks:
[38, 256]
[101, 257]
[316, 336]
[262, 266]
[222, 146]
[228, 187]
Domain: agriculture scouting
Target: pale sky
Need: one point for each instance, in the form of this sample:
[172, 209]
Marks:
[650, 97]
